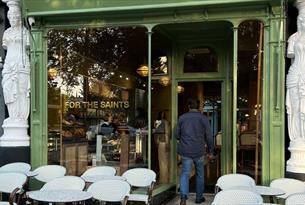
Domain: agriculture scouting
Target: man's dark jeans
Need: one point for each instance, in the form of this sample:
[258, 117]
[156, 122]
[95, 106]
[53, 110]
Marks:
[185, 173]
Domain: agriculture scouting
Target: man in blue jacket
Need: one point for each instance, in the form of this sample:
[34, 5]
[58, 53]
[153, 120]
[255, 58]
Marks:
[193, 133]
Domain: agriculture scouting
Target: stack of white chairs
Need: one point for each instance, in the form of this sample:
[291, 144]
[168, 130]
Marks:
[140, 178]
[12, 183]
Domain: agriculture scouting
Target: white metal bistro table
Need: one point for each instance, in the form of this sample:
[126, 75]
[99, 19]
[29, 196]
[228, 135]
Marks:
[60, 196]
[95, 178]
[269, 191]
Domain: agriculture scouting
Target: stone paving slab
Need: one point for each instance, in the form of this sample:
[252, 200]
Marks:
[191, 201]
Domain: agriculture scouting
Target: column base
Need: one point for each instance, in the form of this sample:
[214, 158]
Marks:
[14, 154]
[296, 163]
[15, 134]
[299, 176]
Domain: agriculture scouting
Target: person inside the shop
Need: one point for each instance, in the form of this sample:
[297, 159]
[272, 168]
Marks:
[141, 118]
[162, 140]
[106, 125]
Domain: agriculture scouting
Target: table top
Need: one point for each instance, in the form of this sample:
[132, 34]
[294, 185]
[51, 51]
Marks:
[262, 190]
[60, 196]
[31, 174]
[28, 173]
[269, 191]
[95, 178]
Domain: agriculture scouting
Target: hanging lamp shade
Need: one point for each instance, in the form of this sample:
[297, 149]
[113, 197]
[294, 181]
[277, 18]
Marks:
[143, 70]
[165, 80]
[52, 73]
[180, 89]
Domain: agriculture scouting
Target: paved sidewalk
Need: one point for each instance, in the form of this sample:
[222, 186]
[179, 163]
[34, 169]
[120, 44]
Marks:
[191, 201]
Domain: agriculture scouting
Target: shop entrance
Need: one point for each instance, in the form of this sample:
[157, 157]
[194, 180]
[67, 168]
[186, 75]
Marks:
[209, 95]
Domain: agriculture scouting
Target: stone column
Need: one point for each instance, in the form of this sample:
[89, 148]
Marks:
[295, 95]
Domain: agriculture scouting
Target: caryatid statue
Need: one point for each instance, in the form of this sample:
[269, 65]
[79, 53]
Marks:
[295, 95]
[16, 78]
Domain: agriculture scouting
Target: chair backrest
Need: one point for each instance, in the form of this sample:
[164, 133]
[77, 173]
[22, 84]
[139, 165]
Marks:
[48, 172]
[140, 177]
[65, 182]
[290, 186]
[295, 199]
[247, 138]
[10, 181]
[232, 180]
[109, 190]
[21, 167]
[101, 170]
[237, 197]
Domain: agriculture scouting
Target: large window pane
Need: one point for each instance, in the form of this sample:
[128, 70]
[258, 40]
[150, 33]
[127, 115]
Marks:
[249, 98]
[94, 88]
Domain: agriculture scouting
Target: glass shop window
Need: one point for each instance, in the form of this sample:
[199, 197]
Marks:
[202, 59]
[97, 98]
[249, 98]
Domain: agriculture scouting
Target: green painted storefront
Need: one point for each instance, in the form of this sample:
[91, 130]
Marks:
[178, 18]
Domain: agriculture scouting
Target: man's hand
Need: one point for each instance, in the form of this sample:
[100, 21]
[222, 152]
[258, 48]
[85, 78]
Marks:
[211, 157]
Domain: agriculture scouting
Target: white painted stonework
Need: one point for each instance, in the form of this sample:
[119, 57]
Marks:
[16, 79]
[295, 95]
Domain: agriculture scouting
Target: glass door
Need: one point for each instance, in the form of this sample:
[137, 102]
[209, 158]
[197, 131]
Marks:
[209, 95]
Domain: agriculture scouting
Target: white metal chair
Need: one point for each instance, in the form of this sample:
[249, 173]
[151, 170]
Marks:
[65, 182]
[12, 183]
[21, 167]
[290, 186]
[47, 173]
[233, 180]
[110, 191]
[140, 178]
[295, 199]
[237, 197]
[101, 170]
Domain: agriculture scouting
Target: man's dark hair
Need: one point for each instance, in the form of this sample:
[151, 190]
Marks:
[193, 103]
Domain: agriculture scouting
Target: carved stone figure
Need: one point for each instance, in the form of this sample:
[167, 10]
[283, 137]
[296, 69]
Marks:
[16, 72]
[295, 96]
[16, 76]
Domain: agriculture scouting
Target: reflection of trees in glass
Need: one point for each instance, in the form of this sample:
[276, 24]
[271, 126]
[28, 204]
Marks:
[86, 51]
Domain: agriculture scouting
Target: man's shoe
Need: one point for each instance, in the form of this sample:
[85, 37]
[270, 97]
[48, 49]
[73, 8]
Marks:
[183, 202]
[199, 201]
